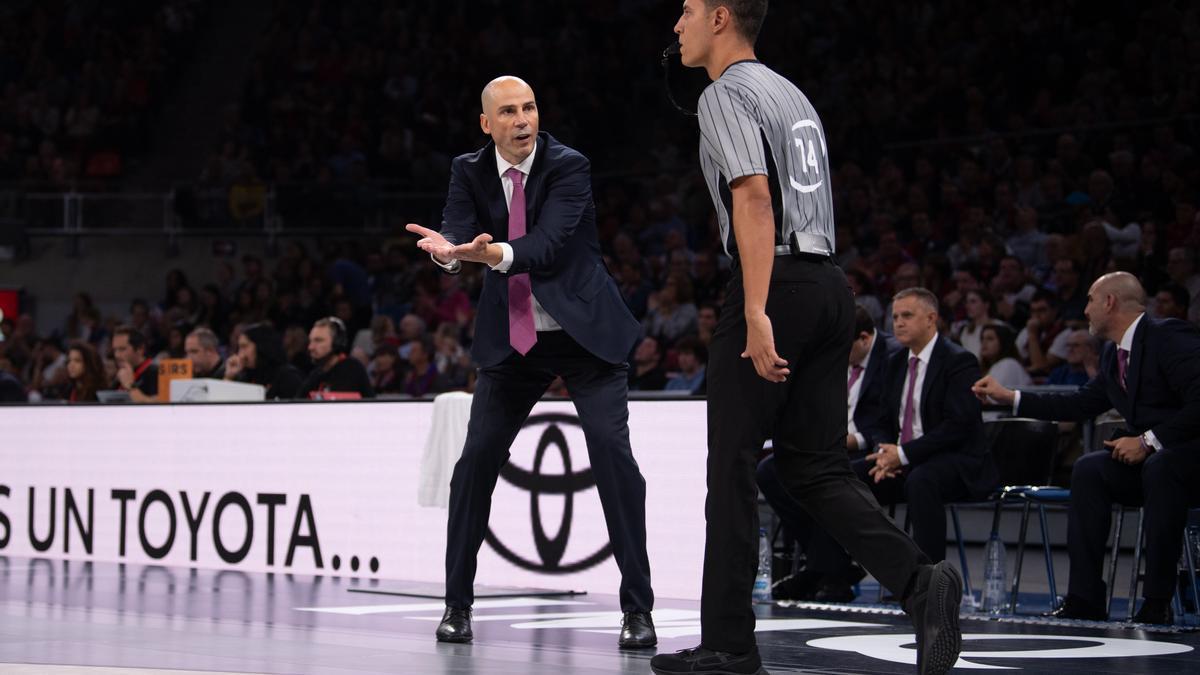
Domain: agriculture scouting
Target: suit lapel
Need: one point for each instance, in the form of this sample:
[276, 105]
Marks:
[1108, 365]
[535, 182]
[937, 359]
[494, 193]
[897, 372]
[1134, 370]
[877, 364]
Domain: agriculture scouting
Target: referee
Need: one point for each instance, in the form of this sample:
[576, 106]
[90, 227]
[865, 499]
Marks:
[777, 363]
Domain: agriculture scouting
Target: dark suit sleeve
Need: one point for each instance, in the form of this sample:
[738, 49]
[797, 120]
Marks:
[460, 224]
[1181, 364]
[1090, 401]
[961, 411]
[569, 194]
[883, 426]
[872, 416]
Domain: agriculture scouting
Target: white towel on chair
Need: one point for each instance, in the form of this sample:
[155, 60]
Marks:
[443, 447]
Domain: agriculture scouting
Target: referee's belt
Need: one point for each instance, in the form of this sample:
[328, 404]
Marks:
[805, 245]
[818, 256]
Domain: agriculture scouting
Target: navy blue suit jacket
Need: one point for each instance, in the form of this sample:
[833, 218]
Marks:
[560, 250]
[869, 412]
[951, 416]
[1164, 386]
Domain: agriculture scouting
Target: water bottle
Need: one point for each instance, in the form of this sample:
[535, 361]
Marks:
[762, 582]
[995, 588]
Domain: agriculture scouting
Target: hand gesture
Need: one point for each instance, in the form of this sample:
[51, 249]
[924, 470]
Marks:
[760, 347]
[233, 366]
[1129, 450]
[125, 375]
[433, 242]
[887, 462]
[989, 388]
[476, 251]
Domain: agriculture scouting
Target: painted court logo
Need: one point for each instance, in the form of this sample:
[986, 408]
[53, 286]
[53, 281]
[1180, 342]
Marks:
[550, 550]
[994, 646]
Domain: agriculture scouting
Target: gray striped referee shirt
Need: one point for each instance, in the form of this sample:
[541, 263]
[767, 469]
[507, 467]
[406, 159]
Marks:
[753, 121]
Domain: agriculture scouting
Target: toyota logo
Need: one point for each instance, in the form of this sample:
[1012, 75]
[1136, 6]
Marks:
[569, 483]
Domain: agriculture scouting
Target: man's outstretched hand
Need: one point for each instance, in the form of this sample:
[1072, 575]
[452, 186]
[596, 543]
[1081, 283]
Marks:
[433, 242]
[478, 251]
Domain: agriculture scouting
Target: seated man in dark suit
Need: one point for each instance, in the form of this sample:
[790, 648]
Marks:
[825, 580]
[1150, 373]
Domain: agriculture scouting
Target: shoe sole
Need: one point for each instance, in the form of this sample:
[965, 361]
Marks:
[455, 640]
[945, 598]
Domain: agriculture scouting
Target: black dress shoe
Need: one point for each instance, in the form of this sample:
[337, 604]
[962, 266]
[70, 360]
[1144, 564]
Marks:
[455, 626]
[933, 606]
[1155, 612]
[1078, 610]
[701, 660]
[637, 631]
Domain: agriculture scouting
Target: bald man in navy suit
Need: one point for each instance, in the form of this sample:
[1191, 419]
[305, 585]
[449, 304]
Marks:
[522, 205]
[1149, 372]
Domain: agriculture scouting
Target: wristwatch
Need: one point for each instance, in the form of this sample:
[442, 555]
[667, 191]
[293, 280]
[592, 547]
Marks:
[1147, 446]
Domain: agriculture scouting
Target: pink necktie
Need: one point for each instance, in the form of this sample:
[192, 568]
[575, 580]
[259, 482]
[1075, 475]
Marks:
[855, 373]
[906, 429]
[521, 332]
[1122, 366]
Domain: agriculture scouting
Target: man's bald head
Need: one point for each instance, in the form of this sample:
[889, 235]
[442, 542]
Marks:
[1114, 301]
[505, 84]
[1124, 287]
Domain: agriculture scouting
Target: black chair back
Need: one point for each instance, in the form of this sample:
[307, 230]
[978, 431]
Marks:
[1023, 449]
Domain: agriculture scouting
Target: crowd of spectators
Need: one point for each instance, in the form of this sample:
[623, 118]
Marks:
[1001, 155]
[81, 80]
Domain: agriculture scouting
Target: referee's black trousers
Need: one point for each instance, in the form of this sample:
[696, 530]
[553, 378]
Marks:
[812, 316]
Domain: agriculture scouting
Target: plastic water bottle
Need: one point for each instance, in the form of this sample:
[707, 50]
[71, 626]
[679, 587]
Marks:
[762, 583]
[995, 600]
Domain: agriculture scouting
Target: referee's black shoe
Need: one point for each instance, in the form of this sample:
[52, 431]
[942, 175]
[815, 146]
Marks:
[637, 631]
[455, 626]
[701, 660]
[933, 605]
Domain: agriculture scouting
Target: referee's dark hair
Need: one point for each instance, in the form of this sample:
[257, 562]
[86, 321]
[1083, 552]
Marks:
[748, 15]
[863, 323]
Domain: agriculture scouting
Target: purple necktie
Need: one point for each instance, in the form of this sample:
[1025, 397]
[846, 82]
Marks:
[855, 373]
[521, 332]
[906, 429]
[1122, 365]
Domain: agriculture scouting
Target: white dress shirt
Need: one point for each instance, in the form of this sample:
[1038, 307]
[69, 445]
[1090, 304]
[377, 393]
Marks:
[1126, 343]
[542, 321]
[856, 392]
[922, 366]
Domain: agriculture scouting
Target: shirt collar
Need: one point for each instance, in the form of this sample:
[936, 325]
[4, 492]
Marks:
[1126, 342]
[526, 164]
[926, 352]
